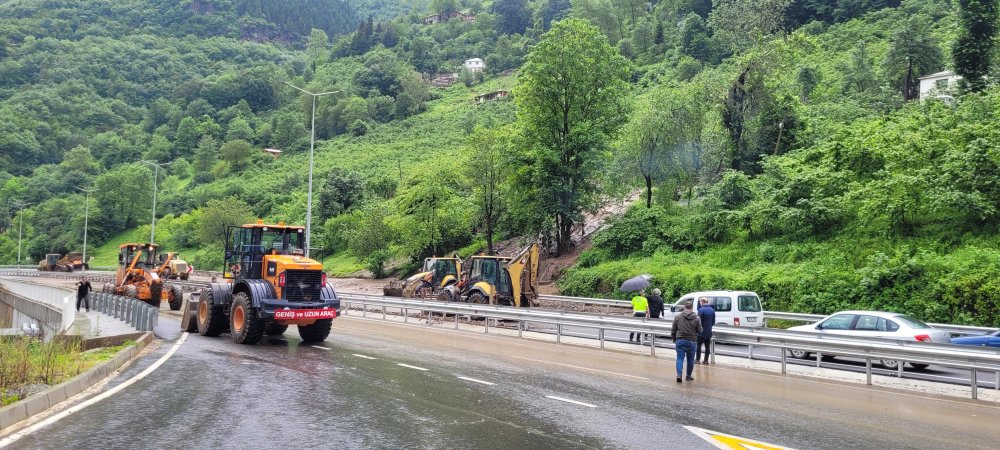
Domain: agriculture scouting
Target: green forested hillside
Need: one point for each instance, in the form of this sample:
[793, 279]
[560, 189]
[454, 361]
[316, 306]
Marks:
[779, 144]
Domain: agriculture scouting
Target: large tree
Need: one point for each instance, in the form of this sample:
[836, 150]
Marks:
[514, 15]
[974, 46]
[571, 101]
[487, 165]
[913, 52]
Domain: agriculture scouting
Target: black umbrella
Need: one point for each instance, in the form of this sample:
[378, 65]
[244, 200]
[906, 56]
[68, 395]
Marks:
[637, 283]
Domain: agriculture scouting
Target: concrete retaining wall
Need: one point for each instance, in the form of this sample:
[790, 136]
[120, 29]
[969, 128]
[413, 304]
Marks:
[17, 311]
[60, 300]
[22, 410]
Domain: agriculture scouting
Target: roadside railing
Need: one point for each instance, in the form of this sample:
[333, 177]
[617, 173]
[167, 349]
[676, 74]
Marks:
[974, 359]
[138, 314]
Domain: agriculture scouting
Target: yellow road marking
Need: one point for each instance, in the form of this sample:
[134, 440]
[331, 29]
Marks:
[730, 442]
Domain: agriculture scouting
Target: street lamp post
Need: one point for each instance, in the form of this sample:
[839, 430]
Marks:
[86, 217]
[312, 146]
[156, 176]
[20, 230]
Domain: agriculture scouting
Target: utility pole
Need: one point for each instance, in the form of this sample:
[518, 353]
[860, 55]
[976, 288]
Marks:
[86, 217]
[156, 176]
[312, 147]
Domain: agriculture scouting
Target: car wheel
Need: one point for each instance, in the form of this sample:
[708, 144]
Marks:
[799, 354]
[890, 364]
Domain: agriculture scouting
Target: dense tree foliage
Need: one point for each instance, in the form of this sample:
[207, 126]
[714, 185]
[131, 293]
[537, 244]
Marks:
[771, 140]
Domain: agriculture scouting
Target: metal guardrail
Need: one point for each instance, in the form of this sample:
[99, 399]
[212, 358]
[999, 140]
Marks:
[972, 358]
[138, 314]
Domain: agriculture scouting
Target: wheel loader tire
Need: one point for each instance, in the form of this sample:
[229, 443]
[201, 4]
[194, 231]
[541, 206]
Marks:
[275, 329]
[478, 297]
[211, 319]
[245, 327]
[189, 321]
[177, 298]
[156, 294]
[69, 269]
[185, 276]
[316, 332]
[131, 291]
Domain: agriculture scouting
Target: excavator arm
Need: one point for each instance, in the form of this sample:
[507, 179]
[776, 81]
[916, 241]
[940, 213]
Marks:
[523, 271]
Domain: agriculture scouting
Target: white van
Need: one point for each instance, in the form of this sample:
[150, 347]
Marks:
[734, 308]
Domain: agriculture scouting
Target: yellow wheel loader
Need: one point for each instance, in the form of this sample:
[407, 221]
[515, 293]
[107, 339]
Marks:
[498, 280]
[436, 275]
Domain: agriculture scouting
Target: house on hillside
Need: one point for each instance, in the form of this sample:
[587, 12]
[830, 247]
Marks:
[490, 96]
[438, 18]
[938, 85]
[444, 79]
[474, 65]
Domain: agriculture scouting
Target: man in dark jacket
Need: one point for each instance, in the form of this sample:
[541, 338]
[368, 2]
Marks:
[684, 332]
[83, 289]
[656, 305]
[707, 315]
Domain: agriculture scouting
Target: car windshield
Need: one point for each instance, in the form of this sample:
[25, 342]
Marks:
[911, 322]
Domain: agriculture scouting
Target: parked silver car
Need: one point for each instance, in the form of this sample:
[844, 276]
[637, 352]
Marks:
[877, 325]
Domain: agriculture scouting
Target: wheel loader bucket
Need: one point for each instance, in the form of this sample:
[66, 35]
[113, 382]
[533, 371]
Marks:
[189, 322]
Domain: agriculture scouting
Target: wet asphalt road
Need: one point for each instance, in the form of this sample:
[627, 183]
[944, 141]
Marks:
[215, 394]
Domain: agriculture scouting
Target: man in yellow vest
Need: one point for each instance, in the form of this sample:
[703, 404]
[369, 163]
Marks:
[640, 308]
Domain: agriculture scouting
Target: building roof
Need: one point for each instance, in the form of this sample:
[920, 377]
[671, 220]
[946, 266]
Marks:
[942, 74]
[474, 60]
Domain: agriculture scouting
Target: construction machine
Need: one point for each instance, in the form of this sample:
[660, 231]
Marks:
[272, 285]
[435, 275]
[172, 267]
[498, 280]
[68, 263]
[137, 278]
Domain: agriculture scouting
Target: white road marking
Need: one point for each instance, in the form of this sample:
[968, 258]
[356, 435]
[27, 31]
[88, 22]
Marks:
[62, 415]
[411, 367]
[477, 381]
[320, 347]
[362, 356]
[570, 401]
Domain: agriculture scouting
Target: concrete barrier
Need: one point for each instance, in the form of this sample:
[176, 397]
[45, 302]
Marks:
[13, 414]
[61, 300]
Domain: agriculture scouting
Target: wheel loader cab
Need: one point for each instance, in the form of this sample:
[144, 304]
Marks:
[442, 271]
[51, 259]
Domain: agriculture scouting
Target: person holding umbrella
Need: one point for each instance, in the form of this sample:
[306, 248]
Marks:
[640, 305]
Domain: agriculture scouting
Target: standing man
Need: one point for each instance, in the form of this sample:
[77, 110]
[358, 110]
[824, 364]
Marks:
[707, 315]
[640, 308]
[684, 332]
[83, 289]
[656, 304]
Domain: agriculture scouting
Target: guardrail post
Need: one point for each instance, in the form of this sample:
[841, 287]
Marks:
[819, 359]
[652, 344]
[975, 384]
[784, 360]
[155, 313]
[364, 310]
[558, 333]
[899, 367]
[520, 329]
[711, 347]
[406, 315]
[486, 320]
[751, 351]
[428, 317]
[996, 380]
[600, 336]
[868, 370]
[383, 312]
[456, 323]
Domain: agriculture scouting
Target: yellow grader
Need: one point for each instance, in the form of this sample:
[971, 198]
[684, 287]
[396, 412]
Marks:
[137, 278]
